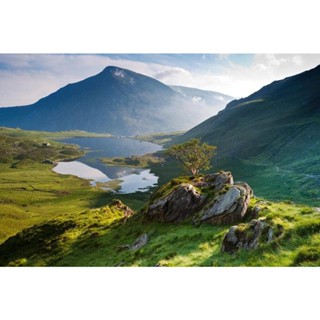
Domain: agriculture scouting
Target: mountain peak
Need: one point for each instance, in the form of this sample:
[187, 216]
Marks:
[116, 71]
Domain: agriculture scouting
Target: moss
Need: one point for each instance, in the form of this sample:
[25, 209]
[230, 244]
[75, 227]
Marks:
[308, 227]
[308, 254]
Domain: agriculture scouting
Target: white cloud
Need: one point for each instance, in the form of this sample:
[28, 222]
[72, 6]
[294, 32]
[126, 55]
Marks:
[119, 73]
[28, 78]
[173, 75]
[196, 99]
[297, 60]
[260, 67]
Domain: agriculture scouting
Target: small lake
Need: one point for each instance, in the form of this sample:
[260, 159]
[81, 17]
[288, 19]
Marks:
[90, 167]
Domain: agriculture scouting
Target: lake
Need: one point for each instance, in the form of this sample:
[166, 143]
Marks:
[90, 167]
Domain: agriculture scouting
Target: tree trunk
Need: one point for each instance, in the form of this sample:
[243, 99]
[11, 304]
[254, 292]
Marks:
[194, 172]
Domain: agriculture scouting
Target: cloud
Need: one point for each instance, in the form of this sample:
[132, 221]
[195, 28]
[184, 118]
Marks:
[297, 60]
[173, 75]
[24, 79]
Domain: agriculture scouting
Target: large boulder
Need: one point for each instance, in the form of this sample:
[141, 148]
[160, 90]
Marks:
[229, 207]
[213, 198]
[247, 236]
[182, 201]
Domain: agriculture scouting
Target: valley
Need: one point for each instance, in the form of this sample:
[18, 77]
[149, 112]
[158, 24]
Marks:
[97, 189]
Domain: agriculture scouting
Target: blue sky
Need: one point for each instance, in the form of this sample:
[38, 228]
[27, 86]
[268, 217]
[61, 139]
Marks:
[25, 78]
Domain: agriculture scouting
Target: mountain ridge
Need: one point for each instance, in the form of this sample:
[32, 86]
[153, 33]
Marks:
[116, 100]
[274, 133]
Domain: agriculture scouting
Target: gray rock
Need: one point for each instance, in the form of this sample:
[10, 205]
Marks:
[177, 205]
[229, 207]
[247, 236]
[213, 198]
[219, 180]
[140, 242]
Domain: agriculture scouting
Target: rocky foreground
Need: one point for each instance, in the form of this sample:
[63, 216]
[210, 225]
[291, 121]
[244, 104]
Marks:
[214, 199]
[191, 221]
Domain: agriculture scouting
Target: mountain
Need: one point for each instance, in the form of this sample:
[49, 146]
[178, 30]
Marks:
[116, 101]
[216, 101]
[275, 131]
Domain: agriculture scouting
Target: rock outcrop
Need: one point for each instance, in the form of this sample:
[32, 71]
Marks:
[247, 236]
[177, 205]
[230, 207]
[213, 198]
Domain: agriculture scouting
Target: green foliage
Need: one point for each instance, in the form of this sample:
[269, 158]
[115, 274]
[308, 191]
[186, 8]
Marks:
[193, 155]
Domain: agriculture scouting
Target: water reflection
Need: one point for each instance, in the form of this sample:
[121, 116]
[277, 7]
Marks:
[81, 170]
[90, 167]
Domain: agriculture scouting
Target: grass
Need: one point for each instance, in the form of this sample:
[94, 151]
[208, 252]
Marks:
[30, 192]
[60, 220]
[144, 161]
[31, 134]
[98, 238]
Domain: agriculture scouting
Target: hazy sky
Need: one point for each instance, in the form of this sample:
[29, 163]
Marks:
[24, 79]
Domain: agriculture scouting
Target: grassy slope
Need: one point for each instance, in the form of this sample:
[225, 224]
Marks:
[274, 132]
[94, 238]
[31, 193]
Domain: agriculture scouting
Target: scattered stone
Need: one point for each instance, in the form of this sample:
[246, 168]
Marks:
[253, 213]
[270, 235]
[47, 161]
[127, 212]
[247, 236]
[140, 242]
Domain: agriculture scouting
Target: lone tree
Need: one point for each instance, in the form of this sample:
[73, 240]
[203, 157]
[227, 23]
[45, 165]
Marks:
[193, 155]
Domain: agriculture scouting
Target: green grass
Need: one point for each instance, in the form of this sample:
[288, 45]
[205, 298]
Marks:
[96, 238]
[143, 161]
[60, 220]
[31, 134]
[30, 192]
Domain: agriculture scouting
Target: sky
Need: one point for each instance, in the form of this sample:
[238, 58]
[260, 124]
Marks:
[25, 78]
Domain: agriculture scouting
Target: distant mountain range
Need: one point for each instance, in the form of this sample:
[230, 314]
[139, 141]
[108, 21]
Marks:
[275, 131]
[117, 101]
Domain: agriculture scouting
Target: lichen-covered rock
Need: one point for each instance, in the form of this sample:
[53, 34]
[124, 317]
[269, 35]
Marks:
[229, 207]
[219, 180]
[177, 205]
[247, 236]
[213, 199]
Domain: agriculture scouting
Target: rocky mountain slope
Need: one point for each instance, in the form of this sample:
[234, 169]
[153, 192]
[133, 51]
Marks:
[116, 101]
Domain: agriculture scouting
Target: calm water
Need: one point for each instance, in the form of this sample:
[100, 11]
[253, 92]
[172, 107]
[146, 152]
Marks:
[91, 168]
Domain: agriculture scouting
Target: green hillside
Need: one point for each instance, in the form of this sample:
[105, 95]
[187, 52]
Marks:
[103, 237]
[59, 220]
[30, 192]
[271, 138]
